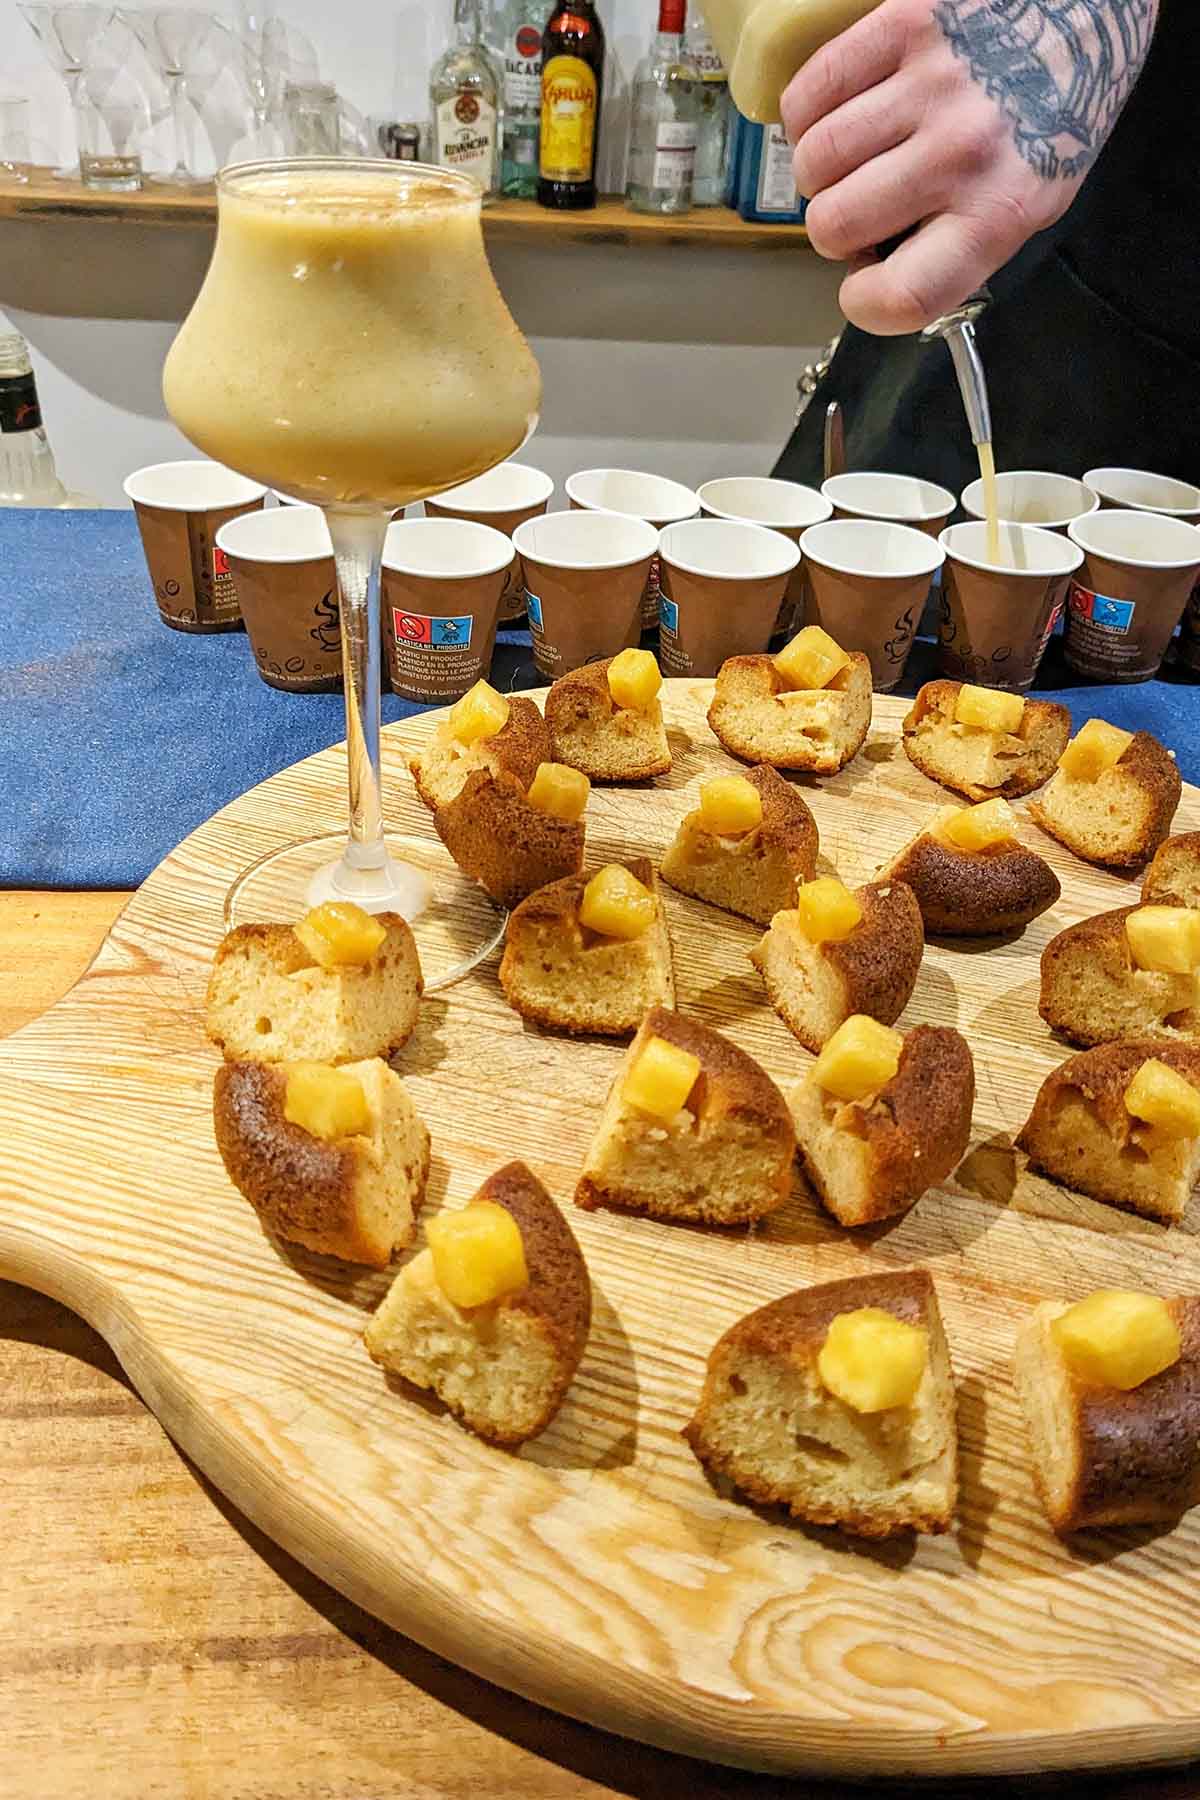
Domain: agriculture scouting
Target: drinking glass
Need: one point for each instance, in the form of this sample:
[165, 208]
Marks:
[311, 111]
[117, 115]
[392, 371]
[67, 34]
[182, 45]
[14, 137]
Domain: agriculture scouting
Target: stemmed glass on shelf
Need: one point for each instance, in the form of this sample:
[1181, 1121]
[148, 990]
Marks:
[68, 34]
[183, 45]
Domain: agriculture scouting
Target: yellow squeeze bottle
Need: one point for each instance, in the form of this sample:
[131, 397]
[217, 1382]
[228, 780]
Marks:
[763, 43]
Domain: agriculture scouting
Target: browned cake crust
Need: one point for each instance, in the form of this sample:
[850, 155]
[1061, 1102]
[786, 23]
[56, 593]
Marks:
[507, 846]
[583, 695]
[975, 893]
[301, 1187]
[880, 960]
[1045, 726]
[752, 680]
[1092, 961]
[516, 749]
[1174, 875]
[1151, 767]
[787, 820]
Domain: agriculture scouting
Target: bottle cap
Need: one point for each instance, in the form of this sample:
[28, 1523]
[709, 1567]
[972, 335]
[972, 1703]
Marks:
[672, 15]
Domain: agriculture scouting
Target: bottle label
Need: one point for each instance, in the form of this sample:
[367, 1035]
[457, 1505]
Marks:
[466, 137]
[568, 119]
[675, 155]
[523, 70]
[776, 184]
[19, 409]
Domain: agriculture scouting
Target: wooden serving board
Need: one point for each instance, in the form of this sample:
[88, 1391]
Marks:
[598, 1570]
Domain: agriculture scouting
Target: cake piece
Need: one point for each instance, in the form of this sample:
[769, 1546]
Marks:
[1122, 1124]
[1174, 875]
[494, 1315]
[1113, 796]
[606, 719]
[511, 841]
[335, 1159]
[692, 1129]
[982, 742]
[807, 708]
[838, 1402]
[338, 986]
[590, 956]
[1110, 1389]
[1123, 974]
[881, 1118]
[748, 846]
[484, 731]
[971, 875]
[839, 953]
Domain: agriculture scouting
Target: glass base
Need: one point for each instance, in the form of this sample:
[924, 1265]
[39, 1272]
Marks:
[455, 924]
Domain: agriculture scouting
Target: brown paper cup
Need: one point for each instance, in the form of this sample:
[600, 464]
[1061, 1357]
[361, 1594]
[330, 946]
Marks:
[180, 508]
[722, 585]
[442, 582]
[1137, 490]
[1034, 497]
[282, 567]
[651, 497]
[868, 582]
[585, 575]
[784, 506]
[899, 499]
[503, 498]
[1139, 570]
[997, 618]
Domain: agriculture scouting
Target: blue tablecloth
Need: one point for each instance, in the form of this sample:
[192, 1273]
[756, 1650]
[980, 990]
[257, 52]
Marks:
[120, 736]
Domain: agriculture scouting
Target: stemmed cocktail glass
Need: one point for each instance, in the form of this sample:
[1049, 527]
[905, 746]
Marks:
[182, 44]
[67, 35]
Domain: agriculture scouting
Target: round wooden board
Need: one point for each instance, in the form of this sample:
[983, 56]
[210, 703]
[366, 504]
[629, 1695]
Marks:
[598, 1571]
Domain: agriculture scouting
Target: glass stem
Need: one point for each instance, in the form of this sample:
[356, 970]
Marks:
[358, 551]
[76, 94]
[178, 88]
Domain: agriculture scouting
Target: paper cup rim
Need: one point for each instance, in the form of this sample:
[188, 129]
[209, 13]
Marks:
[1061, 555]
[788, 552]
[927, 553]
[975, 506]
[675, 513]
[250, 525]
[768, 481]
[945, 504]
[252, 490]
[546, 521]
[495, 548]
[545, 485]
[1095, 477]
[1128, 560]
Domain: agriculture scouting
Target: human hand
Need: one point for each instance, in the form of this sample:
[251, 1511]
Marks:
[975, 120]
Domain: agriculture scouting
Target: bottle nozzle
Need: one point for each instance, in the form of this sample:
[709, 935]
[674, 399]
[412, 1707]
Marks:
[957, 328]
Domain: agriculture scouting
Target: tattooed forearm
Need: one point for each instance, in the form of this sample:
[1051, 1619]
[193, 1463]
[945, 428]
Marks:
[1060, 69]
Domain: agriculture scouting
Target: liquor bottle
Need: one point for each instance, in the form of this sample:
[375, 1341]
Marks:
[27, 473]
[766, 185]
[664, 120]
[465, 102]
[572, 88]
[708, 183]
[517, 32]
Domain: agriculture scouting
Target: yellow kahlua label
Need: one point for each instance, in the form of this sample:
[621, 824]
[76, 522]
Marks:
[568, 119]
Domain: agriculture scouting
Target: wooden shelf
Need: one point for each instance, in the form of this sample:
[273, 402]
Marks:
[507, 222]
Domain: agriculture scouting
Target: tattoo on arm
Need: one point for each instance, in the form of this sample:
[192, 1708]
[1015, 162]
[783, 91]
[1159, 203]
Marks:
[1060, 69]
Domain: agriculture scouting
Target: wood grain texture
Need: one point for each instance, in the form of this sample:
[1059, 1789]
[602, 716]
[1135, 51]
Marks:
[598, 1571]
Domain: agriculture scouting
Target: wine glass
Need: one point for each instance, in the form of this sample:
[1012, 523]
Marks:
[350, 347]
[270, 52]
[67, 34]
[181, 43]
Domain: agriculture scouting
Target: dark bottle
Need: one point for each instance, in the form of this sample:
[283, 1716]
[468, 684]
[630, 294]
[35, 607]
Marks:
[572, 88]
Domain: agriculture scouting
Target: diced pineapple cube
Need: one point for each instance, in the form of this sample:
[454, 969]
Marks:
[478, 1253]
[660, 1079]
[1117, 1339]
[481, 713]
[730, 806]
[989, 709]
[634, 679]
[828, 911]
[1164, 1099]
[861, 1057]
[811, 660]
[326, 1102]
[339, 934]
[979, 827]
[872, 1361]
[1094, 748]
[1165, 939]
[560, 791]
[616, 904]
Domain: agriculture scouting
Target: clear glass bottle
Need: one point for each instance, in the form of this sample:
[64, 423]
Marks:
[466, 104]
[708, 185]
[27, 473]
[664, 122]
[517, 35]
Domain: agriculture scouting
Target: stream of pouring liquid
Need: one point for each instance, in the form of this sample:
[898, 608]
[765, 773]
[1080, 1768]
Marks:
[991, 503]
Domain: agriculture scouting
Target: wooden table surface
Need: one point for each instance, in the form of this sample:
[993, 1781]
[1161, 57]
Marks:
[155, 1646]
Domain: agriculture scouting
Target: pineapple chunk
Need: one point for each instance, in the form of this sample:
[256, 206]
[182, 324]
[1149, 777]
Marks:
[481, 713]
[1094, 749]
[616, 904]
[861, 1057]
[339, 934]
[979, 827]
[1164, 1099]
[1165, 939]
[478, 1253]
[661, 1078]
[811, 660]
[989, 709]
[730, 806]
[872, 1361]
[634, 679]
[560, 791]
[1117, 1339]
[828, 911]
[327, 1103]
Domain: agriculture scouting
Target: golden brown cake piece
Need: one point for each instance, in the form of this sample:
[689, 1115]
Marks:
[610, 738]
[1001, 744]
[838, 1402]
[692, 1129]
[505, 843]
[749, 861]
[881, 1118]
[826, 960]
[502, 1365]
[1083, 1134]
[1125, 974]
[514, 748]
[1174, 874]
[761, 716]
[964, 891]
[269, 999]
[350, 1181]
[1112, 798]
[1106, 1454]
